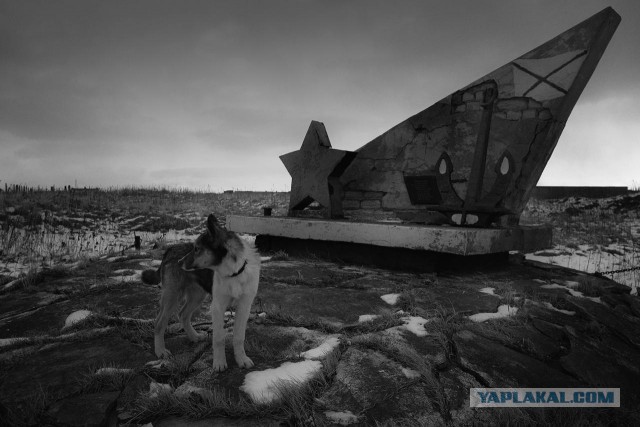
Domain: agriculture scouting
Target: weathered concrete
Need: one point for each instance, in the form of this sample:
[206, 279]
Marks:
[476, 155]
[457, 241]
[315, 170]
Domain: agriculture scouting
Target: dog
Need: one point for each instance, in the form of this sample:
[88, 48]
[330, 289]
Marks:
[178, 285]
[235, 268]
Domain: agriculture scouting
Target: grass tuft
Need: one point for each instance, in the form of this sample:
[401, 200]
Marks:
[107, 377]
[280, 256]
[283, 319]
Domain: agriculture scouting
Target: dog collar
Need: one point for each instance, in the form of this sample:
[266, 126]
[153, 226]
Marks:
[239, 272]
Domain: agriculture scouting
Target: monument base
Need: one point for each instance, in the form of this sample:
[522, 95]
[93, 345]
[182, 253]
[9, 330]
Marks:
[392, 245]
[379, 256]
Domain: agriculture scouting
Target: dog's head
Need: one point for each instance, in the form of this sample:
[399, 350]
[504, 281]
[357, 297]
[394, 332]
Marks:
[209, 248]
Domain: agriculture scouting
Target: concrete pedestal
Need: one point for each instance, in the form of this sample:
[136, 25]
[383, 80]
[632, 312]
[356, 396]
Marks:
[392, 245]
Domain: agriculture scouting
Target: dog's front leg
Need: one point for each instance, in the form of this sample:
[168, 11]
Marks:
[218, 306]
[239, 327]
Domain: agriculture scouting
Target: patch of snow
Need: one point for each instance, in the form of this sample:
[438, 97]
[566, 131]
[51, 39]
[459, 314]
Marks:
[390, 299]
[92, 332]
[132, 277]
[539, 280]
[410, 373]
[150, 263]
[573, 292]
[51, 338]
[488, 291]
[571, 283]
[554, 286]
[159, 363]
[265, 258]
[367, 317]
[592, 258]
[249, 238]
[415, 324]
[112, 371]
[322, 350]
[552, 307]
[75, 317]
[156, 388]
[11, 284]
[343, 418]
[48, 298]
[503, 311]
[127, 221]
[4, 342]
[186, 390]
[73, 265]
[132, 319]
[356, 269]
[265, 386]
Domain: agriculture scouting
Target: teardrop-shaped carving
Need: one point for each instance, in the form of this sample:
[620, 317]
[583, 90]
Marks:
[442, 169]
[504, 166]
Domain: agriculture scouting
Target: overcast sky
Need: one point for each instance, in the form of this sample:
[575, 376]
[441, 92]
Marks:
[208, 94]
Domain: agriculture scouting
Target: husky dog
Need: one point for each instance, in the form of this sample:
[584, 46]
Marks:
[236, 268]
[177, 285]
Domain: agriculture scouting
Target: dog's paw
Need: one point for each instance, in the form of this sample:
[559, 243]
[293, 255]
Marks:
[219, 365]
[244, 362]
[163, 354]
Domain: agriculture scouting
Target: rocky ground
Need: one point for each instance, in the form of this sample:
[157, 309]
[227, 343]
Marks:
[332, 344]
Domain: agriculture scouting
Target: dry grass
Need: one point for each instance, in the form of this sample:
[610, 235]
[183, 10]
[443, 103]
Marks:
[29, 411]
[43, 228]
[293, 405]
[106, 377]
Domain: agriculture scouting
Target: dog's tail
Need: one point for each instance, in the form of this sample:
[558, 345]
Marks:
[151, 277]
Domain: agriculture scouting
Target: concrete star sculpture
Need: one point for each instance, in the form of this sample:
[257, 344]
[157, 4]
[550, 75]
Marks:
[315, 172]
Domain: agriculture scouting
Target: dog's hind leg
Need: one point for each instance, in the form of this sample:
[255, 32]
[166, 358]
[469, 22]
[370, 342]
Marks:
[168, 305]
[194, 295]
[239, 328]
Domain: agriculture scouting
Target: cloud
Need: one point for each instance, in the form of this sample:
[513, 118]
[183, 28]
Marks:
[98, 89]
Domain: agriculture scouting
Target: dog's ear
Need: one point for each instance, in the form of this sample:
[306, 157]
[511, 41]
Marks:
[212, 225]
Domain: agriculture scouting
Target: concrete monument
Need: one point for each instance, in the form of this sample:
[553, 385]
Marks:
[471, 159]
